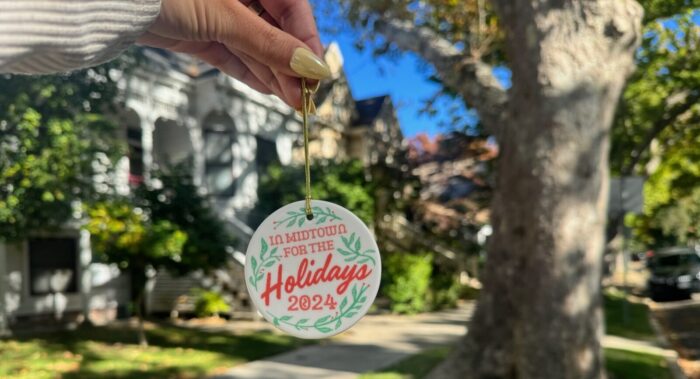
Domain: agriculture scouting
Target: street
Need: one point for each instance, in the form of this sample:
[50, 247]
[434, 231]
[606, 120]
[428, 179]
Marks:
[680, 321]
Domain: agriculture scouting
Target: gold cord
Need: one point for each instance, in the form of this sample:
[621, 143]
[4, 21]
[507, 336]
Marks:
[306, 104]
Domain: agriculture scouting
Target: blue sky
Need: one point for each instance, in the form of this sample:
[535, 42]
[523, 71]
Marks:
[404, 78]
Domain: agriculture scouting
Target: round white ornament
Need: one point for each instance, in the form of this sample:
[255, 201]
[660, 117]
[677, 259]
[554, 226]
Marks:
[313, 278]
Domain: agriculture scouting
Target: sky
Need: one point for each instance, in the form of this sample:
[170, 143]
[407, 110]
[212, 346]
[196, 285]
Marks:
[404, 78]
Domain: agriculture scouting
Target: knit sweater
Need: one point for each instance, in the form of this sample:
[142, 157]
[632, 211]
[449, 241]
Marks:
[51, 36]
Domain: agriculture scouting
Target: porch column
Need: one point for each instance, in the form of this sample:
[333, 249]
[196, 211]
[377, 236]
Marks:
[148, 124]
[4, 328]
[85, 258]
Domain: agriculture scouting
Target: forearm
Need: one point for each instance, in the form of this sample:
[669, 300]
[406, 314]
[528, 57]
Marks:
[50, 36]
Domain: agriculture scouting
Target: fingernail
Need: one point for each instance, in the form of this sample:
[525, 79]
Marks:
[308, 65]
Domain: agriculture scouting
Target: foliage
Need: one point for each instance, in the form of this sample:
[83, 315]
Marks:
[111, 352]
[126, 235]
[55, 144]
[177, 200]
[471, 24]
[341, 182]
[656, 131]
[406, 281]
[661, 101]
[657, 9]
[209, 303]
[467, 292]
[444, 287]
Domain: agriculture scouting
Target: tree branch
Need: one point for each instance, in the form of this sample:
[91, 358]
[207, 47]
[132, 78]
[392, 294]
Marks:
[659, 126]
[472, 79]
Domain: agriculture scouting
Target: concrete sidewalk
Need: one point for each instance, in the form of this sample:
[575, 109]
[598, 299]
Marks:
[374, 343]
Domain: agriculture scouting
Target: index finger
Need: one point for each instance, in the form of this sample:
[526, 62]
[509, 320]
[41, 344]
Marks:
[296, 18]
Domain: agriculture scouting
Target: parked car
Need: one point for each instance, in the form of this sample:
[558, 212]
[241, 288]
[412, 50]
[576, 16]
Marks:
[675, 273]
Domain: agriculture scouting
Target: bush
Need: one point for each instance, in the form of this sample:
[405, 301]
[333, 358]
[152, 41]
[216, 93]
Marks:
[444, 289]
[467, 292]
[407, 281]
[342, 183]
[209, 303]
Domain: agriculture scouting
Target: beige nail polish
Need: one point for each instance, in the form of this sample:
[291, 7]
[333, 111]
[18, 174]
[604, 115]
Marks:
[308, 65]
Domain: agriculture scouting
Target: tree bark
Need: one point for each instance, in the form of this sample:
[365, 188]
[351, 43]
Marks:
[138, 298]
[539, 314]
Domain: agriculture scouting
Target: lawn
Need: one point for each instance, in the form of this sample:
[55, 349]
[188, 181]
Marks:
[413, 367]
[109, 352]
[637, 325]
[621, 364]
[624, 364]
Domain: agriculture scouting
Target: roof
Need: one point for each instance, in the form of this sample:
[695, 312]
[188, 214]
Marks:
[368, 110]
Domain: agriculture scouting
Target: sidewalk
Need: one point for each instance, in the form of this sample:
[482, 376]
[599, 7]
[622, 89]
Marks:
[374, 343]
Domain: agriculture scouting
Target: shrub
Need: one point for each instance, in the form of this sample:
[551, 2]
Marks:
[444, 289]
[407, 281]
[209, 303]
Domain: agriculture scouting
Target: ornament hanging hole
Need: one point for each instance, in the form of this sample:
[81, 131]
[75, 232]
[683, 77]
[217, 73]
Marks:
[309, 216]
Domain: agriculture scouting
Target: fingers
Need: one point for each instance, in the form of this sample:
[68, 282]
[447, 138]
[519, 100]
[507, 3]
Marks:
[211, 52]
[263, 42]
[296, 18]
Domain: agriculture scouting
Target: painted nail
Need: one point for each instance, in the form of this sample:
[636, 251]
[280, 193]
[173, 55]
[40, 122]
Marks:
[308, 65]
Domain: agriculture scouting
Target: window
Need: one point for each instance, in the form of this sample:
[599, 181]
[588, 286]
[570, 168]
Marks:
[136, 169]
[53, 265]
[218, 142]
[265, 155]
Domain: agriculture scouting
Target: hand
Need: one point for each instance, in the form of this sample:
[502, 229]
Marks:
[269, 52]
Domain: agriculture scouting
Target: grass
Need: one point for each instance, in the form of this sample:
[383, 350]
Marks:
[110, 352]
[624, 364]
[637, 325]
[413, 367]
[621, 364]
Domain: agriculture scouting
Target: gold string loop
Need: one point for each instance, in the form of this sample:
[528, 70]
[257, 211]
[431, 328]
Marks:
[307, 107]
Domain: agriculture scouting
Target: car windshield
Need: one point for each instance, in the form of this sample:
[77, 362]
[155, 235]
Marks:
[676, 260]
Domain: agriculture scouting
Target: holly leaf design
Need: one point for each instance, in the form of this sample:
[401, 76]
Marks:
[263, 248]
[254, 263]
[299, 218]
[352, 250]
[321, 320]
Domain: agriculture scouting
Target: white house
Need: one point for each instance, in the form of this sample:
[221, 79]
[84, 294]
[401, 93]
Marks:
[177, 110]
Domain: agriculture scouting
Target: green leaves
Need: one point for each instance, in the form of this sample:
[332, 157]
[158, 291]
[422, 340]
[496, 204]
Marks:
[299, 218]
[56, 147]
[329, 323]
[343, 183]
[352, 250]
[266, 261]
[655, 133]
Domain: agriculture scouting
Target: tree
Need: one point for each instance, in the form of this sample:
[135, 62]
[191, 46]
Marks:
[55, 145]
[539, 314]
[655, 132]
[342, 183]
[661, 104]
[178, 200]
[165, 226]
[128, 236]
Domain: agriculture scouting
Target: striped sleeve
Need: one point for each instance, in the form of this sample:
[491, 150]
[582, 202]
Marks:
[52, 36]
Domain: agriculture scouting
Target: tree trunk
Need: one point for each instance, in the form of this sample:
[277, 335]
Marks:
[138, 298]
[139, 315]
[539, 315]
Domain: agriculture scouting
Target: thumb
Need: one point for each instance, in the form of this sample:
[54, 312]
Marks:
[240, 28]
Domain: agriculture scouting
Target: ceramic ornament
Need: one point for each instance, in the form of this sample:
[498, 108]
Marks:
[313, 278]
